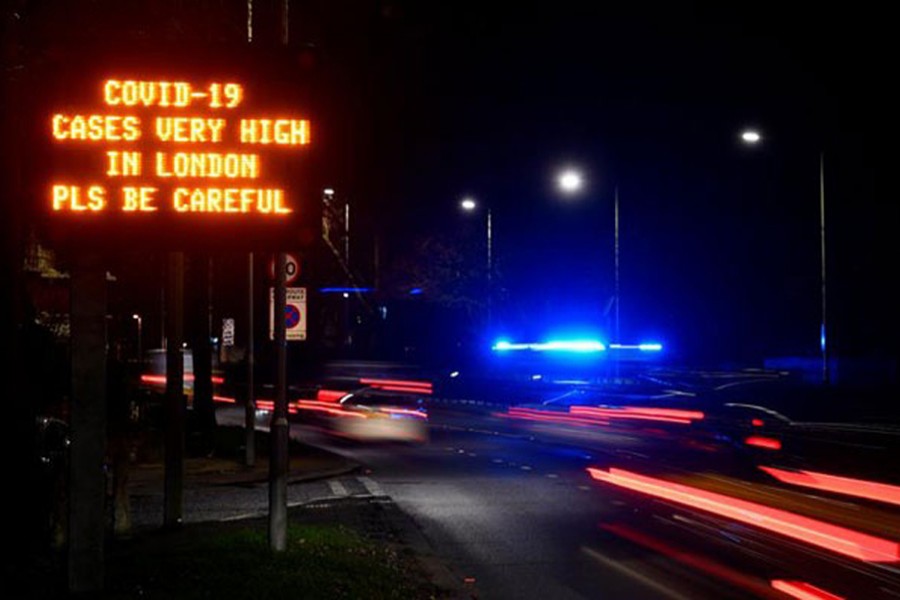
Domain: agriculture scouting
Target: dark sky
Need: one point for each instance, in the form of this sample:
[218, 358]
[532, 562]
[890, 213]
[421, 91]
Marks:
[424, 102]
[719, 243]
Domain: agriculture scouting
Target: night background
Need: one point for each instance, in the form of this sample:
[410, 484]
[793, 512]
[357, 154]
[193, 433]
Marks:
[719, 242]
[423, 104]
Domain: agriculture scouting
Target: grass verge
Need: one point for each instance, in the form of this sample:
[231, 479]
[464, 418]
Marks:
[235, 561]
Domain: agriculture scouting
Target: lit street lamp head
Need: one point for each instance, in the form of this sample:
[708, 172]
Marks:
[570, 181]
[468, 204]
[751, 136]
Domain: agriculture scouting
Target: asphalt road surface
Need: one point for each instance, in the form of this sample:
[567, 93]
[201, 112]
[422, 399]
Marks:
[517, 517]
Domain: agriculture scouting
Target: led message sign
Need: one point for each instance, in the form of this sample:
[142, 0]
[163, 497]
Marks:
[177, 149]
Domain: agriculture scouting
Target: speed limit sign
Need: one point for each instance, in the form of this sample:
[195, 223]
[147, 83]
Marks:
[291, 268]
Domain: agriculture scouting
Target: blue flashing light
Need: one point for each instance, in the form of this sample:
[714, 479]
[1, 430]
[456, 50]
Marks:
[822, 337]
[345, 290]
[582, 346]
[415, 291]
[646, 347]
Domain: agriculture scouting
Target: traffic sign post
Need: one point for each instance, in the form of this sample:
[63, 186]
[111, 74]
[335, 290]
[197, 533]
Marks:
[294, 314]
[227, 332]
[291, 269]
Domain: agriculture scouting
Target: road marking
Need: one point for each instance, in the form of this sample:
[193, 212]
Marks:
[628, 571]
[552, 475]
[525, 468]
[371, 486]
[337, 488]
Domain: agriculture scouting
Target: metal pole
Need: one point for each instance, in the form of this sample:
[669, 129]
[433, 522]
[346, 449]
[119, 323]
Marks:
[823, 331]
[616, 251]
[175, 408]
[347, 235]
[490, 269]
[140, 354]
[279, 426]
[250, 406]
[87, 485]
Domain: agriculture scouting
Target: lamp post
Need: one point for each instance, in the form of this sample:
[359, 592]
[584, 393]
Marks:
[752, 137]
[468, 204]
[140, 355]
[571, 182]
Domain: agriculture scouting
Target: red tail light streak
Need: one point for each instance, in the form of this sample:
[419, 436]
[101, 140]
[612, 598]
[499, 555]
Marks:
[663, 415]
[803, 590]
[860, 488]
[834, 538]
[552, 416]
[325, 407]
[400, 385]
[161, 379]
[766, 443]
[596, 415]
[330, 395]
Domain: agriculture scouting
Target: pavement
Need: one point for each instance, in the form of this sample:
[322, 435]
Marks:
[306, 464]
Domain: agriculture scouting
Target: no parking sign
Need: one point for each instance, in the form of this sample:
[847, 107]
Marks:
[294, 314]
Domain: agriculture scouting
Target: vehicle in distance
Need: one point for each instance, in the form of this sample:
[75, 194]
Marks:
[369, 410]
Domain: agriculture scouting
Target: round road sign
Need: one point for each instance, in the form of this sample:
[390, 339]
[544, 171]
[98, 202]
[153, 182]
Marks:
[291, 316]
[291, 268]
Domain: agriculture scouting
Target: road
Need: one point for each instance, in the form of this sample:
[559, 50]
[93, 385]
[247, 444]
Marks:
[518, 517]
[509, 506]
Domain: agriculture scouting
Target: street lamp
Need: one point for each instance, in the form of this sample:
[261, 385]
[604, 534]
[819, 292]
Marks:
[570, 181]
[137, 318]
[752, 137]
[468, 204]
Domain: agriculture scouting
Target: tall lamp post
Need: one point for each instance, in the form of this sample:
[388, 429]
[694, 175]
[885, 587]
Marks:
[140, 355]
[752, 137]
[571, 182]
[468, 204]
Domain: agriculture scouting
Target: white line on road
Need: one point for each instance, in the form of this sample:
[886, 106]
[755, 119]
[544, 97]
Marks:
[371, 486]
[337, 488]
[628, 571]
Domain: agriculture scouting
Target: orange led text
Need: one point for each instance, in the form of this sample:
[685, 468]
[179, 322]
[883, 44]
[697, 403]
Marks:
[75, 198]
[112, 128]
[207, 164]
[189, 129]
[287, 132]
[230, 200]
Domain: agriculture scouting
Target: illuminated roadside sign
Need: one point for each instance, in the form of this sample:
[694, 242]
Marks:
[147, 152]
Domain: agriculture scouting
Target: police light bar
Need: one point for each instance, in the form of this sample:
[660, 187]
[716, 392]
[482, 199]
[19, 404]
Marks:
[583, 346]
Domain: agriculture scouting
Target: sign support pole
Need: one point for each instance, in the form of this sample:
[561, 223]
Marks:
[278, 461]
[87, 485]
[250, 406]
[175, 409]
